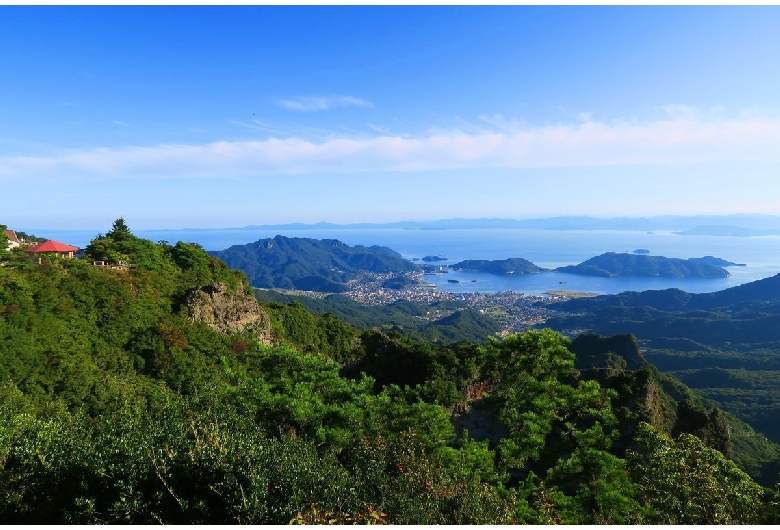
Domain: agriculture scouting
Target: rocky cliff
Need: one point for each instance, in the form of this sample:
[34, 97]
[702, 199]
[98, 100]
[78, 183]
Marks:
[229, 311]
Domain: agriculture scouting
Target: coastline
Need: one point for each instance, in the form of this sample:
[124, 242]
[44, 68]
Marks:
[571, 294]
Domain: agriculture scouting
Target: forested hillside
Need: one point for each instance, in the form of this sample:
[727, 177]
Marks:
[309, 264]
[723, 344]
[163, 392]
[406, 317]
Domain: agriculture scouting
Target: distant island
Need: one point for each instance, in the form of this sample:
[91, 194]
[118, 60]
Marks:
[504, 266]
[614, 264]
[718, 262]
[327, 265]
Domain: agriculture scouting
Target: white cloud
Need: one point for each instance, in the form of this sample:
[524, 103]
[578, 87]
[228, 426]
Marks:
[689, 138]
[317, 103]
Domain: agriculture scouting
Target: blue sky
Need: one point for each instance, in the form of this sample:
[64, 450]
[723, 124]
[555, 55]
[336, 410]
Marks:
[179, 117]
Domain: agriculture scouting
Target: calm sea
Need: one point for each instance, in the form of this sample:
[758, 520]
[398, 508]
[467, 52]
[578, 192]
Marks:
[546, 248]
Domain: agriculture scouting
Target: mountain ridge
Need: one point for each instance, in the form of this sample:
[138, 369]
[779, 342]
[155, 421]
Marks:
[309, 264]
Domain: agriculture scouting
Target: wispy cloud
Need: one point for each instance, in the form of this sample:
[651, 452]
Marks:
[381, 129]
[317, 103]
[500, 123]
[123, 124]
[290, 130]
[686, 137]
[257, 125]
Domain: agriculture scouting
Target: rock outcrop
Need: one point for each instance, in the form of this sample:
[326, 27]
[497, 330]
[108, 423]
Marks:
[229, 311]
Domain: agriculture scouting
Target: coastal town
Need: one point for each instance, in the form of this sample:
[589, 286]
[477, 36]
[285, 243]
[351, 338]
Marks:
[515, 311]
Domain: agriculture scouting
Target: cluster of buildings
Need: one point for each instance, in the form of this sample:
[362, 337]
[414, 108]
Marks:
[369, 290]
[53, 248]
[47, 248]
[515, 311]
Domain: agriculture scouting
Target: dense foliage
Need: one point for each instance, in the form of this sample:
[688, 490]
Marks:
[3, 242]
[117, 406]
[725, 345]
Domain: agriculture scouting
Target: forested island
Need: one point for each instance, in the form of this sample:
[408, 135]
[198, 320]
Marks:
[162, 391]
[641, 265]
[504, 266]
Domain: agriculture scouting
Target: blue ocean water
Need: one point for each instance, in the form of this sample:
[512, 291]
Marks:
[546, 248]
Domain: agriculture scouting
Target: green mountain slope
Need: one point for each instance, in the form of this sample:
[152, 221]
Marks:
[409, 318]
[723, 344]
[758, 292]
[309, 264]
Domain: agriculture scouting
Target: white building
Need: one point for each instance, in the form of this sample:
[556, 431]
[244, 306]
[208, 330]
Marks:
[13, 241]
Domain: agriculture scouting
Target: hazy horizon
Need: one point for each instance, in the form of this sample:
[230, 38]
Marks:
[587, 222]
[207, 116]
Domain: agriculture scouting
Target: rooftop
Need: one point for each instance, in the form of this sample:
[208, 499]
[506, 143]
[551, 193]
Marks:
[51, 246]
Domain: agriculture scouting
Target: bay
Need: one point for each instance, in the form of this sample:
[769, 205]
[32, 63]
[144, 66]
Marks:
[546, 248]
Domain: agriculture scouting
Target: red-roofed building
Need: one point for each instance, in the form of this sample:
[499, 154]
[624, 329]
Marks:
[52, 248]
[13, 241]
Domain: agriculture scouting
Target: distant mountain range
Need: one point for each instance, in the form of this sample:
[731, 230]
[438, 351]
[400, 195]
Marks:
[738, 224]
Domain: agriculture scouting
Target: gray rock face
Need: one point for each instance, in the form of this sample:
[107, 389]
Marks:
[223, 309]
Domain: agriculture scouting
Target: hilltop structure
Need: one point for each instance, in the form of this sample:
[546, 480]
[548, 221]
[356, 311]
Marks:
[52, 248]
